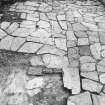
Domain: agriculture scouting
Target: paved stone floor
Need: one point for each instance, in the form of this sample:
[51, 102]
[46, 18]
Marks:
[52, 53]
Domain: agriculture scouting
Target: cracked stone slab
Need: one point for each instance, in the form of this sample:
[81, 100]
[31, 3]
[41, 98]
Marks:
[81, 99]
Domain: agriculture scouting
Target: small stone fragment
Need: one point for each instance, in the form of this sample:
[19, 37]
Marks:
[102, 37]
[91, 85]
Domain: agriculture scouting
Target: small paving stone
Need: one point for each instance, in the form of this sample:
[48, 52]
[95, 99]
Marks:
[61, 17]
[51, 50]
[91, 85]
[96, 50]
[90, 75]
[71, 79]
[2, 34]
[70, 35]
[61, 43]
[81, 99]
[30, 47]
[22, 32]
[36, 70]
[83, 41]
[4, 25]
[16, 43]
[88, 67]
[71, 43]
[98, 99]
[100, 68]
[63, 25]
[102, 37]
[41, 33]
[101, 25]
[102, 78]
[36, 61]
[6, 43]
[36, 82]
[12, 27]
[23, 15]
[81, 34]
[79, 27]
[84, 50]
[43, 24]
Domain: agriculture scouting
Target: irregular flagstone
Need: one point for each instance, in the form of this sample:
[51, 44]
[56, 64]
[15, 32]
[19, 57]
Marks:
[69, 16]
[61, 43]
[51, 50]
[30, 47]
[22, 32]
[6, 43]
[40, 33]
[16, 43]
[91, 85]
[12, 27]
[71, 43]
[71, 79]
[61, 17]
[80, 34]
[23, 15]
[28, 24]
[90, 75]
[36, 60]
[81, 99]
[83, 41]
[30, 3]
[102, 78]
[96, 50]
[87, 59]
[79, 27]
[2, 34]
[4, 25]
[98, 99]
[88, 67]
[101, 25]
